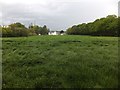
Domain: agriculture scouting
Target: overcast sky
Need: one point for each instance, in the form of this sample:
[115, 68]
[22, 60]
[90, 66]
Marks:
[56, 14]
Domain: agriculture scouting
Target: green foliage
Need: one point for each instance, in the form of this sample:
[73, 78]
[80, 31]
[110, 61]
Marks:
[33, 30]
[44, 30]
[6, 32]
[39, 30]
[101, 27]
[15, 30]
[19, 30]
[60, 62]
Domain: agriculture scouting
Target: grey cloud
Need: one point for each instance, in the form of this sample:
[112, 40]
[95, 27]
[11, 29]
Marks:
[56, 15]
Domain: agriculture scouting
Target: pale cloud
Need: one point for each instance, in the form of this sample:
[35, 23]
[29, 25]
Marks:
[56, 14]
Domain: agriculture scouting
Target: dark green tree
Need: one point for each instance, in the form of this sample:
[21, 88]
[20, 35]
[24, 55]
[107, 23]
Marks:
[18, 30]
[100, 27]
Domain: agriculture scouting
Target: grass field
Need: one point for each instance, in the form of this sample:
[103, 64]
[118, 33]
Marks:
[60, 62]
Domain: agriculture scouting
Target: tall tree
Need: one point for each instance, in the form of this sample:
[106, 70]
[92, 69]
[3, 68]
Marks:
[101, 27]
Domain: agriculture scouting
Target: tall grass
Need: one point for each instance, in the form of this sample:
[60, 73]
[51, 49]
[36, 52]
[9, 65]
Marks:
[60, 62]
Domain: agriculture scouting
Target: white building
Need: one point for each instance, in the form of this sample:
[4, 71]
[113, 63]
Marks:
[4, 26]
[54, 33]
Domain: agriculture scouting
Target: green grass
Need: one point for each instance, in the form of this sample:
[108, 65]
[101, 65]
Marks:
[60, 62]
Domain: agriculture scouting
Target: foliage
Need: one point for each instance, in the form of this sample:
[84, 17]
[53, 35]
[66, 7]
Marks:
[19, 30]
[14, 30]
[101, 27]
[39, 30]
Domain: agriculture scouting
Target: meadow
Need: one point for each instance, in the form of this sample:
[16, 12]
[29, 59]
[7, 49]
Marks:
[60, 62]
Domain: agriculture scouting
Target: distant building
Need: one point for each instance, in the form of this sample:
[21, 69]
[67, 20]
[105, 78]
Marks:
[56, 33]
[4, 26]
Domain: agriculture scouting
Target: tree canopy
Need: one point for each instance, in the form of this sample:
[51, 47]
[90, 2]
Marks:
[19, 30]
[100, 27]
[107, 26]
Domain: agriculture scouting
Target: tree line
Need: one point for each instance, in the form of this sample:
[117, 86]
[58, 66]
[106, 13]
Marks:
[19, 30]
[107, 26]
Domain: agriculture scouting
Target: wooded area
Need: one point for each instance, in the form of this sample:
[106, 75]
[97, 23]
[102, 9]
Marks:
[19, 30]
[100, 27]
